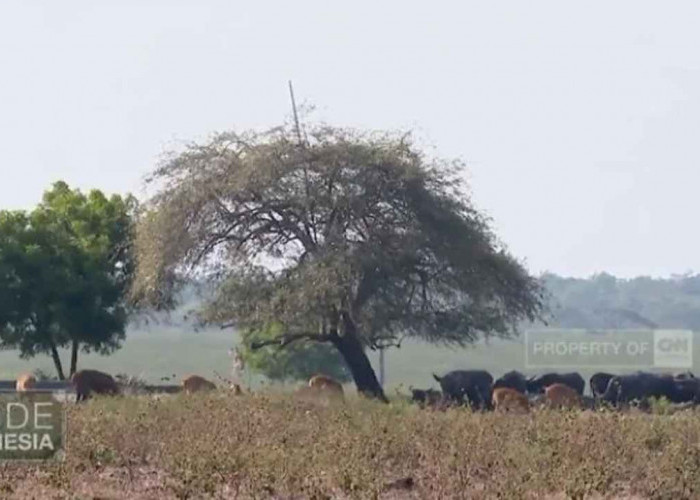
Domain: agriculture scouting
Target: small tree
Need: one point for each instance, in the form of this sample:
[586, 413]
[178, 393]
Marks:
[299, 361]
[64, 269]
[349, 239]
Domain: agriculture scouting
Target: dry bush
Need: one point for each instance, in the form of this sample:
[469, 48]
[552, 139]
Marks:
[130, 384]
[278, 446]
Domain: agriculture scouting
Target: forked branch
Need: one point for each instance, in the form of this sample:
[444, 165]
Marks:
[285, 340]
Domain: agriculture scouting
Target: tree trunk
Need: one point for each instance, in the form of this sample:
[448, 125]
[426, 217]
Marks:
[57, 361]
[74, 357]
[354, 355]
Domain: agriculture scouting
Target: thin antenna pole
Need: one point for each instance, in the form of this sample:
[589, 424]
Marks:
[294, 109]
[301, 145]
[381, 367]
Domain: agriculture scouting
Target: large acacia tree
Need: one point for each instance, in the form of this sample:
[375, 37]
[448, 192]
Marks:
[353, 239]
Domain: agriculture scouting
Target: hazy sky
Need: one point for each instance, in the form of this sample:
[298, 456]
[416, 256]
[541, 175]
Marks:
[579, 121]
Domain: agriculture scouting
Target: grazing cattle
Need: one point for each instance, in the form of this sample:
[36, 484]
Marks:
[536, 385]
[639, 387]
[562, 396]
[427, 397]
[87, 382]
[25, 382]
[195, 383]
[514, 380]
[467, 386]
[507, 399]
[327, 384]
[599, 383]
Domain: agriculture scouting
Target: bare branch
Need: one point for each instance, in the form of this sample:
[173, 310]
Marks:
[285, 340]
[386, 343]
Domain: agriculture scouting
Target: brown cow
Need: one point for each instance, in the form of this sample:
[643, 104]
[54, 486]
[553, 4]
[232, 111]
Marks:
[562, 396]
[25, 382]
[507, 399]
[323, 382]
[87, 382]
[318, 395]
[195, 383]
[307, 393]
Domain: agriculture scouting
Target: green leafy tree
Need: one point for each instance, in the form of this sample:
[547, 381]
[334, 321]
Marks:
[64, 270]
[299, 361]
[350, 239]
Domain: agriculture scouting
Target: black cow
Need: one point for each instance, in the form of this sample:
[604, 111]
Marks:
[686, 390]
[599, 383]
[537, 385]
[639, 387]
[467, 386]
[427, 397]
[513, 380]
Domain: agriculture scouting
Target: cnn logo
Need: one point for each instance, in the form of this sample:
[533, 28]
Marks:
[673, 348]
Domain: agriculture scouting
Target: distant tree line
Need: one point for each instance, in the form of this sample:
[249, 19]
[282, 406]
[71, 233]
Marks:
[604, 301]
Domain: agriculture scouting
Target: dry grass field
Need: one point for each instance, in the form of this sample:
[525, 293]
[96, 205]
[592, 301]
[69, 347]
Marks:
[277, 446]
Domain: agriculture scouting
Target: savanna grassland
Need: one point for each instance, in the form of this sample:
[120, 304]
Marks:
[160, 352]
[156, 354]
[278, 446]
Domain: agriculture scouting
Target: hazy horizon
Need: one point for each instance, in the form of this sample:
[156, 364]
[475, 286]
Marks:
[576, 122]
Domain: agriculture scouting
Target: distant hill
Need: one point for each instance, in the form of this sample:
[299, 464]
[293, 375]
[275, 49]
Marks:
[604, 301]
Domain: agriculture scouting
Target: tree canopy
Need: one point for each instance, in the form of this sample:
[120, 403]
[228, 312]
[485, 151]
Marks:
[64, 270]
[349, 238]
